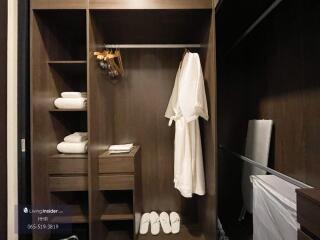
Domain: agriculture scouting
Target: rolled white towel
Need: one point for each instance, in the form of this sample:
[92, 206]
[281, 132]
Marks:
[76, 137]
[71, 103]
[74, 94]
[66, 147]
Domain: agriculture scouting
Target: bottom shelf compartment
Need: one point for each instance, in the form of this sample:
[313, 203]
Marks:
[79, 230]
[189, 232]
[74, 206]
[118, 205]
[118, 230]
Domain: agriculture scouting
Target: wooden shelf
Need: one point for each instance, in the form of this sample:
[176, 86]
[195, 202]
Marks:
[67, 62]
[186, 233]
[62, 155]
[76, 214]
[116, 235]
[67, 110]
[117, 212]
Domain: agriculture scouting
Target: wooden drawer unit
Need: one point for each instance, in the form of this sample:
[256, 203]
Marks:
[116, 182]
[118, 163]
[68, 183]
[308, 211]
[68, 164]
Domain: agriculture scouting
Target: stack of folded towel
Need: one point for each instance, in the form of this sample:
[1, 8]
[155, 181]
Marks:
[72, 100]
[124, 148]
[74, 143]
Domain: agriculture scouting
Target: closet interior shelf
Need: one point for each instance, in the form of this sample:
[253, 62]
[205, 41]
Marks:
[67, 62]
[62, 155]
[117, 212]
[123, 46]
[67, 110]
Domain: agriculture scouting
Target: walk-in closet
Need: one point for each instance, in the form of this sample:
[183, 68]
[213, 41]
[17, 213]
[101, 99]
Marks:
[104, 194]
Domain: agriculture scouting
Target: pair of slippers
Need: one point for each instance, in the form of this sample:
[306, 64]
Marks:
[169, 223]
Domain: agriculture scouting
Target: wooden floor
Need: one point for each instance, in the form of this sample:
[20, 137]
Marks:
[186, 233]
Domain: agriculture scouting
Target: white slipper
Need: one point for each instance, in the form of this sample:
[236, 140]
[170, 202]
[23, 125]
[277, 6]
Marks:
[165, 222]
[144, 223]
[175, 222]
[155, 223]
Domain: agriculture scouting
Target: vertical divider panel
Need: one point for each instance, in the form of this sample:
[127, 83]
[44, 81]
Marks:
[100, 120]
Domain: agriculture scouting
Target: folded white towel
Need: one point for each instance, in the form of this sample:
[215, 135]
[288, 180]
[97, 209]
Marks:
[74, 94]
[65, 147]
[71, 103]
[121, 147]
[76, 137]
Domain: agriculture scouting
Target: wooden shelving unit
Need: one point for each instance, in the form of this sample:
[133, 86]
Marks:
[104, 191]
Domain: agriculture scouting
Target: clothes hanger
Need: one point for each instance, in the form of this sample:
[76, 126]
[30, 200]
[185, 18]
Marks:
[112, 61]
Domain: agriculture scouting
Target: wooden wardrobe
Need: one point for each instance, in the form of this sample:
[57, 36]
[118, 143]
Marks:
[104, 199]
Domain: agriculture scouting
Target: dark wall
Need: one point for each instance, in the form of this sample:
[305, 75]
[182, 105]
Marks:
[274, 73]
[3, 119]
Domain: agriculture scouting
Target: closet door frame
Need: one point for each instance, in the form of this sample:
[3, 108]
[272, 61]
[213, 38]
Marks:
[24, 168]
[3, 118]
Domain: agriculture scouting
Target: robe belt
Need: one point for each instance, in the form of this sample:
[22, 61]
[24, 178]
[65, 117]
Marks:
[174, 118]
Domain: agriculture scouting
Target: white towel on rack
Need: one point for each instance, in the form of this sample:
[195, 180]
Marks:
[74, 94]
[187, 103]
[66, 147]
[71, 103]
[76, 137]
[257, 149]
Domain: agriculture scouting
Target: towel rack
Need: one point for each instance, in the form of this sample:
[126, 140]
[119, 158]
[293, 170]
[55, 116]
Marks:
[269, 170]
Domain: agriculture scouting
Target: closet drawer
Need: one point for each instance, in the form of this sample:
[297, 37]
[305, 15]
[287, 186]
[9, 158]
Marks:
[66, 183]
[68, 165]
[116, 182]
[59, 4]
[116, 165]
[308, 210]
[119, 163]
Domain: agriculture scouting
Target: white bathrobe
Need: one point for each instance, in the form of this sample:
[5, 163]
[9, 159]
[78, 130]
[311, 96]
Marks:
[188, 102]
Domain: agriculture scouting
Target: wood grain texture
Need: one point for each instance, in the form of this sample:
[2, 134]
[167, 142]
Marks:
[207, 212]
[59, 4]
[116, 182]
[150, 4]
[63, 165]
[3, 118]
[50, 31]
[68, 184]
[308, 210]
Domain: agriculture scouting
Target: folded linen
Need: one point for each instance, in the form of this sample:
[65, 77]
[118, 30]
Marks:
[74, 94]
[121, 147]
[76, 137]
[71, 103]
[66, 147]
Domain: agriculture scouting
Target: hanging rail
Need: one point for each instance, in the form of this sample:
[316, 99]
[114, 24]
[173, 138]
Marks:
[269, 170]
[119, 46]
[254, 25]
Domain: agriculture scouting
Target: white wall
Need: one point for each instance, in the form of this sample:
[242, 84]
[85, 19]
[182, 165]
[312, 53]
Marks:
[12, 119]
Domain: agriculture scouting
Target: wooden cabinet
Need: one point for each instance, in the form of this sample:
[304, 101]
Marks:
[108, 193]
[308, 211]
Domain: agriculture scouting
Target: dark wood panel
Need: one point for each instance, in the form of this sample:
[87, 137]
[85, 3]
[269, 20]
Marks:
[207, 212]
[308, 210]
[65, 165]
[150, 4]
[116, 182]
[3, 118]
[59, 4]
[68, 184]
[303, 236]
